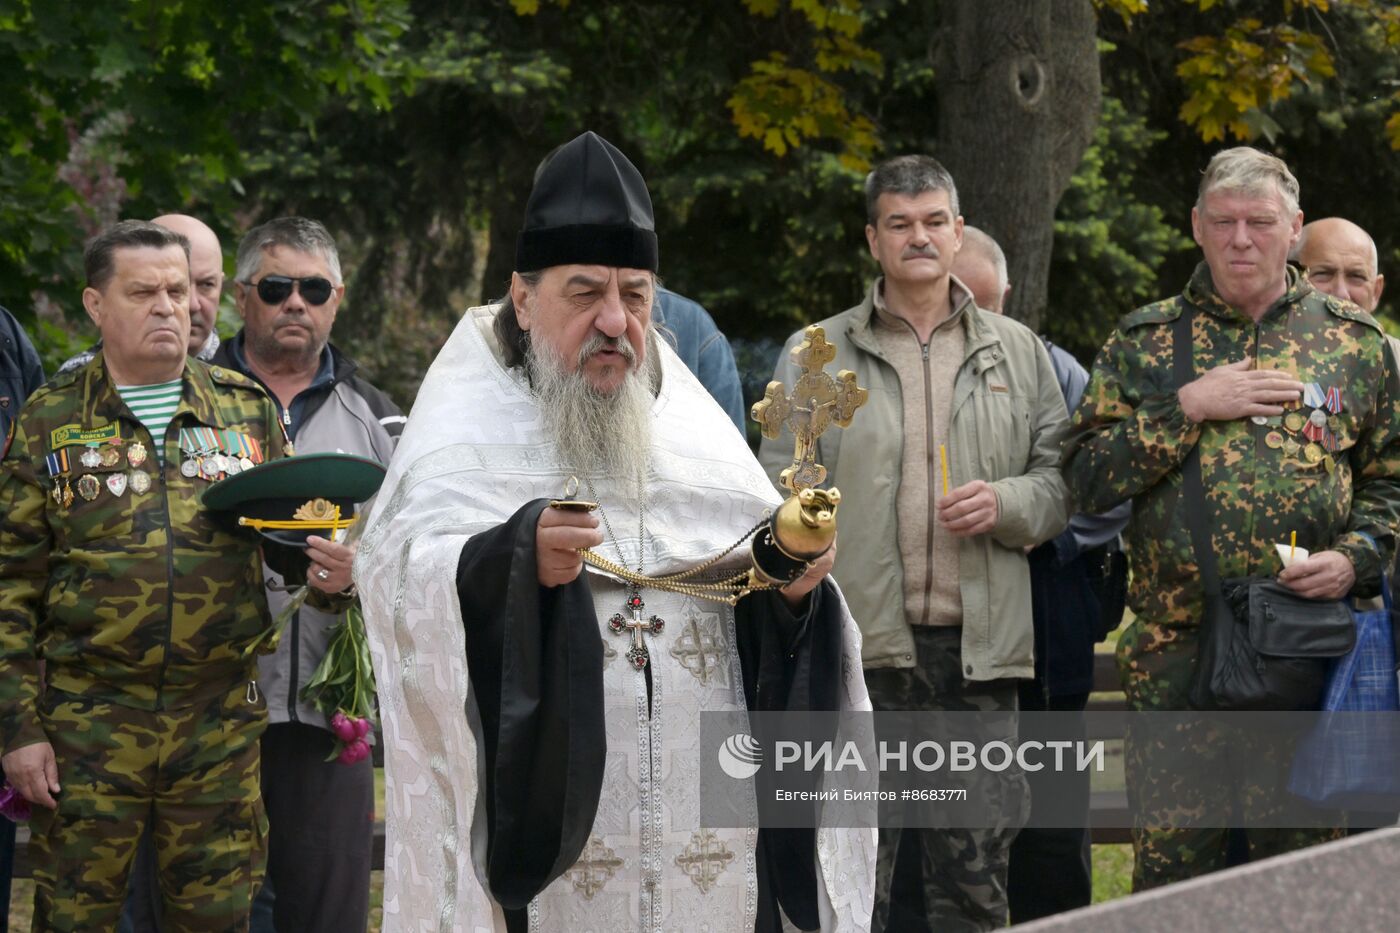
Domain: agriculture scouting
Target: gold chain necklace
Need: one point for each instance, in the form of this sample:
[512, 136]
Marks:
[728, 589]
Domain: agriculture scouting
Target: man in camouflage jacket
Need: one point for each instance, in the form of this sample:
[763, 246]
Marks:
[1294, 411]
[140, 606]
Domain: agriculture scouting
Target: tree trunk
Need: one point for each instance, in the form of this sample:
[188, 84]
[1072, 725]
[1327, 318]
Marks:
[506, 207]
[1018, 102]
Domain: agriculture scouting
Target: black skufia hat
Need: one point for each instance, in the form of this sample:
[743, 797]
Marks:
[286, 500]
[589, 206]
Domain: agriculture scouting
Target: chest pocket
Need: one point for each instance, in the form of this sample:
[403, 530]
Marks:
[100, 520]
[1001, 413]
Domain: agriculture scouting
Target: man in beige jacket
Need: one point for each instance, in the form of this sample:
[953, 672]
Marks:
[936, 573]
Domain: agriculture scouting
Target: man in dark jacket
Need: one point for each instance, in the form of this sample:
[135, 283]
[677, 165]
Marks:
[1051, 870]
[321, 814]
[21, 373]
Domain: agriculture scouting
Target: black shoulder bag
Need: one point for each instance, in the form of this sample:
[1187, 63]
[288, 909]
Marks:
[1262, 646]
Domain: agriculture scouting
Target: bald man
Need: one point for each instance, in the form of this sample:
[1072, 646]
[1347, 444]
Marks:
[207, 276]
[981, 267]
[1341, 260]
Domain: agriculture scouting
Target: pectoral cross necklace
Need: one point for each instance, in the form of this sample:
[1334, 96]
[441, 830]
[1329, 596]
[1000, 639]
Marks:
[637, 654]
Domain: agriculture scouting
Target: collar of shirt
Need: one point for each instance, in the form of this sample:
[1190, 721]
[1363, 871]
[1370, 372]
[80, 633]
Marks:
[291, 414]
[958, 296]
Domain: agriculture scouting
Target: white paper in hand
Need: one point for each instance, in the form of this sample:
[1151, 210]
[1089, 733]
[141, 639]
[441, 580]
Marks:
[1298, 554]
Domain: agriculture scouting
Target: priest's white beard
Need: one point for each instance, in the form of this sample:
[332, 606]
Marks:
[596, 433]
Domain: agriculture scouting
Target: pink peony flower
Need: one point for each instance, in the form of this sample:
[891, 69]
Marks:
[343, 727]
[353, 752]
[361, 728]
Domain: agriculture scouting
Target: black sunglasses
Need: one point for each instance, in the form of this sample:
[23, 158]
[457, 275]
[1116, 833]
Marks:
[275, 289]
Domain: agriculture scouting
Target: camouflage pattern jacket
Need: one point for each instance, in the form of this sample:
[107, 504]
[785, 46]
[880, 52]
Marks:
[1324, 481]
[138, 599]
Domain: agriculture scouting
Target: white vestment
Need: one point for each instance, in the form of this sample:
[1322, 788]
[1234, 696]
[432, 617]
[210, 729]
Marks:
[473, 453]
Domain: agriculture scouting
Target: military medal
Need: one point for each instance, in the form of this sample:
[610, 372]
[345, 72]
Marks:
[1333, 400]
[88, 487]
[136, 454]
[1294, 421]
[116, 482]
[140, 482]
[1259, 419]
[1274, 440]
[211, 461]
[254, 455]
[57, 463]
[110, 455]
[1329, 463]
[91, 458]
[1313, 453]
[1291, 447]
[1313, 396]
[189, 467]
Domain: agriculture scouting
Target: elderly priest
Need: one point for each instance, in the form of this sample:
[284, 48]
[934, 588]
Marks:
[542, 718]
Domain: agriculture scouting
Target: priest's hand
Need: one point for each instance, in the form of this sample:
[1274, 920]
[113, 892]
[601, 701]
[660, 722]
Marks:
[971, 509]
[796, 591]
[559, 535]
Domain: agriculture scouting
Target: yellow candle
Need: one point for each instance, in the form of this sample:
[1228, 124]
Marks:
[943, 459]
[1292, 543]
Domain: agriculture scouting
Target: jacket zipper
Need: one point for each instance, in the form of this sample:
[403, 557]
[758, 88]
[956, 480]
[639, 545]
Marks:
[1254, 438]
[932, 483]
[169, 577]
[294, 672]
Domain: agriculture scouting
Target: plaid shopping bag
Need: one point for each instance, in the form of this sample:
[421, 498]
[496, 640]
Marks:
[1351, 757]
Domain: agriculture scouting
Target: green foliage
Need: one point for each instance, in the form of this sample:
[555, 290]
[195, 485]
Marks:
[1109, 244]
[344, 680]
[786, 104]
[412, 129]
[1240, 68]
[133, 109]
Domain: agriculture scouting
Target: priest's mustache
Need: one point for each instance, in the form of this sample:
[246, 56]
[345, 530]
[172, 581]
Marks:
[604, 342]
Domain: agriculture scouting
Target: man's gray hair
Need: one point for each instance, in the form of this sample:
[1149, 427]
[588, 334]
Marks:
[99, 258]
[298, 233]
[980, 242]
[514, 341]
[907, 175]
[1247, 171]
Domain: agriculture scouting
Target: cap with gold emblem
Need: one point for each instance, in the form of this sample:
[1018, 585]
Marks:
[289, 499]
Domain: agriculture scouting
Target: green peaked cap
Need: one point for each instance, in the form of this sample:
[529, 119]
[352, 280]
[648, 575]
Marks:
[280, 489]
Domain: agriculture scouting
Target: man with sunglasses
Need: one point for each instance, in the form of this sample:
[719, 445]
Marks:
[288, 289]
